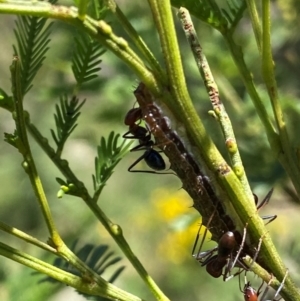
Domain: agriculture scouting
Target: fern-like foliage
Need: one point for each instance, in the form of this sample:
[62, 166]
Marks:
[66, 116]
[206, 10]
[98, 9]
[209, 12]
[109, 155]
[32, 44]
[235, 12]
[86, 59]
[87, 52]
[98, 258]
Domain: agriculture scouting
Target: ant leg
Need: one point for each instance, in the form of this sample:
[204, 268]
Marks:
[137, 133]
[266, 200]
[246, 282]
[271, 218]
[204, 235]
[240, 281]
[196, 241]
[262, 298]
[267, 289]
[204, 257]
[202, 241]
[240, 249]
[129, 135]
[147, 146]
[256, 253]
[260, 287]
[225, 278]
[142, 146]
[281, 285]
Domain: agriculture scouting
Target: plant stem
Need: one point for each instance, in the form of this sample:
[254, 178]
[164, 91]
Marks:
[218, 169]
[255, 23]
[24, 148]
[99, 30]
[162, 14]
[288, 292]
[113, 229]
[82, 284]
[82, 8]
[30, 168]
[140, 44]
[24, 236]
[213, 92]
[289, 161]
[117, 234]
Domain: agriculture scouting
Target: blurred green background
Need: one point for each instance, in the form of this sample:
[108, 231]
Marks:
[153, 210]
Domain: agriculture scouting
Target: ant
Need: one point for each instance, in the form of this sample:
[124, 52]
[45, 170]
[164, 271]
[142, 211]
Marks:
[224, 257]
[250, 294]
[215, 264]
[152, 157]
[226, 246]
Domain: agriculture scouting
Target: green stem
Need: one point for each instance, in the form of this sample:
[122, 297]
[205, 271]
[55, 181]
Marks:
[162, 14]
[30, 168]
[99, 30]
[140, 44]
[213, 93]
[279, 144]
[179, 102]
[61, 164]
[117, 234]
[268, 69]
[289, 160]
[82, 284]
[82, 8]
[288, 291]
[255, 23]
[238, 57]
[218, 169]
[113, 229]
[24, 236]
[24, 148]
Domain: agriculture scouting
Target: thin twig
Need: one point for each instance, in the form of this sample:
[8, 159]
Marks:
[214, 96]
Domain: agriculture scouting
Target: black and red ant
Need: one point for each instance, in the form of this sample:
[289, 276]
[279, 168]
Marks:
[215, 263]
[224, 257]
[250, 294]
[227, 245]
[152, 157]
